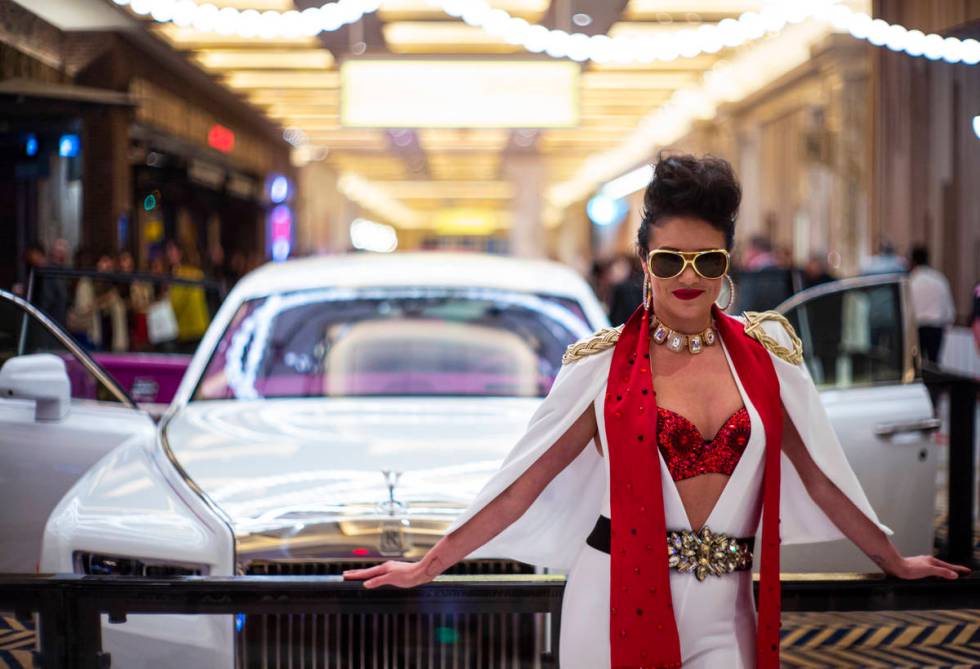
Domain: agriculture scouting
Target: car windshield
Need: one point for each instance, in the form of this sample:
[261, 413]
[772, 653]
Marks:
[404, 342]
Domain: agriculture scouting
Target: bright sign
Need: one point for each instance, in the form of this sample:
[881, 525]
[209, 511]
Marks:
[68, 146]
[432, 93]
[221, 138]
[280, 232]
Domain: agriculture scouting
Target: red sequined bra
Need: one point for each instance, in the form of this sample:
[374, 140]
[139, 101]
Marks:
[687, 453]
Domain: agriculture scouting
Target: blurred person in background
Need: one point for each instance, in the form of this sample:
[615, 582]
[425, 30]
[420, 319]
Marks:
[762, 283]
[627, 292]
[932, 303]
[138, 296]
[110, 327]
[48, 293]
[885, 261]
[189, 302]
[236, 268]
[815, 271]
[82, 309]
[60, 252]
[783, 256]
[758, 255]
[599, 280]
[220, 271]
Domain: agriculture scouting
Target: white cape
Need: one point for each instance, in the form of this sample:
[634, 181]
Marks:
[557, 523]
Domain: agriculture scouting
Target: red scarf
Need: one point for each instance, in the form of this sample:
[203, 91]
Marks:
[643, 632]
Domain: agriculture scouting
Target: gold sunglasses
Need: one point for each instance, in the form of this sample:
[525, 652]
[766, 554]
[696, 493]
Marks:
[710, 264]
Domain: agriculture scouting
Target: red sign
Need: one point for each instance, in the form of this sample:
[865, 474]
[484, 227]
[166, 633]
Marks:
[221, 138]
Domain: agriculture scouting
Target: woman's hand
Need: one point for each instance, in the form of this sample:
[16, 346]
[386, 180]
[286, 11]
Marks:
[398, 574]
[922, 566]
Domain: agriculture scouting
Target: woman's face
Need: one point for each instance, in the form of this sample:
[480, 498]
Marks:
[105, 264]
[125, 262]
[682, 233]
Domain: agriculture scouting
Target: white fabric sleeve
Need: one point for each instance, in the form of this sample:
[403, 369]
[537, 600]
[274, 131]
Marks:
[803, 521]
[556, 524]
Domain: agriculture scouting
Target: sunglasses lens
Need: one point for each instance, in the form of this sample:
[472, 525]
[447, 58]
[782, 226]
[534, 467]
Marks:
[666, 265]
[711, 265]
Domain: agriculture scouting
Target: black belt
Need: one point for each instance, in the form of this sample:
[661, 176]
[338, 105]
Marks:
[703, 552]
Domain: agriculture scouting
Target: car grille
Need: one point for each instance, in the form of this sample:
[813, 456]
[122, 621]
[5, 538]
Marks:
[438, 640]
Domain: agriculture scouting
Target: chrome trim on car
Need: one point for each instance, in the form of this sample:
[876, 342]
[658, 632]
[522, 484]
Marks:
[73, 348]
[837, 286]
[921, 425]
[198, 490]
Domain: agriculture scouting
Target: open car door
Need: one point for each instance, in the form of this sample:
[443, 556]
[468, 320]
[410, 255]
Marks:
[861, 348]
[59, 414]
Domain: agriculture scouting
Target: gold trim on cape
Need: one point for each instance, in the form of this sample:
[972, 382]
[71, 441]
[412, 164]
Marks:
[604, 339]
[754, 329]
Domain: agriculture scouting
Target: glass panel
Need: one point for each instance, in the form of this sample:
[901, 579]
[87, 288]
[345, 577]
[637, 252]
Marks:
[11, 321]
[84, 385]
[141, 328]
[405, 342]
[852, 337]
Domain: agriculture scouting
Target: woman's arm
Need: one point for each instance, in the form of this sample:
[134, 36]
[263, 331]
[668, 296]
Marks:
[494, 518]
[852, 522]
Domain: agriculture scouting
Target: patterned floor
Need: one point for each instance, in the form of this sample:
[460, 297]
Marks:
[16, 643]
[936, 639]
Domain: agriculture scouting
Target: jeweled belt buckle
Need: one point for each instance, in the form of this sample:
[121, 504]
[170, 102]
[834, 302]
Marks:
[705, 552]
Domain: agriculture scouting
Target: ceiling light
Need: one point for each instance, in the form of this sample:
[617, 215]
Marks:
[581, 19]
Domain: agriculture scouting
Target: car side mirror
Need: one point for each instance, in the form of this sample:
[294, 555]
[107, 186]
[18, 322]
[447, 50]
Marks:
[41, 377]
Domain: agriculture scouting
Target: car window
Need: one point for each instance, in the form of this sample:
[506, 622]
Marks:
[17, 326]
[852, 337]
[405, 342]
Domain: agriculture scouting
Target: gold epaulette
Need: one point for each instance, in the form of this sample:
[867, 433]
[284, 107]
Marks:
[754, 329]
[600, 341]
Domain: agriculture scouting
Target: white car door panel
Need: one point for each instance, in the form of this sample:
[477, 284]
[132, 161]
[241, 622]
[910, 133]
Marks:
[40, 459]
[859, 347]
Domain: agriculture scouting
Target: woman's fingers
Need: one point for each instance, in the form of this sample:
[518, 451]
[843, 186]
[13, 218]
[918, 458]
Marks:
[958, 568]
[359, 574]
[377, 580]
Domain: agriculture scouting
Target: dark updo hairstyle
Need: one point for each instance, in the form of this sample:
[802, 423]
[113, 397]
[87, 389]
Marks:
[684, 185]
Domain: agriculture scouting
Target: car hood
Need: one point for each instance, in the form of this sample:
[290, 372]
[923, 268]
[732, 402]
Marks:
[306, 477]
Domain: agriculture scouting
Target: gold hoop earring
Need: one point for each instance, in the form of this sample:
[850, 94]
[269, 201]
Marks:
[646, 292]
[731, 293]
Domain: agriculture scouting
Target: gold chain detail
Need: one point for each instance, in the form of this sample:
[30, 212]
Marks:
[600, 341]
[754, 329]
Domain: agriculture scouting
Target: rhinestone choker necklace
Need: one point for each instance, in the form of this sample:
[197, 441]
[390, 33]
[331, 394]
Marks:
[677, 341]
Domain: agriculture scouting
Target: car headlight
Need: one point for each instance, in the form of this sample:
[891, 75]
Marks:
[95, 564]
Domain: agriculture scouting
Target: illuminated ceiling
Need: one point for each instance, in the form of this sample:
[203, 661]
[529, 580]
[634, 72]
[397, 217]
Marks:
[296, 81]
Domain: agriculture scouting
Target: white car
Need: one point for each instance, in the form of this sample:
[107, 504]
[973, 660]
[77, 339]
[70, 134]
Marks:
[345, 409]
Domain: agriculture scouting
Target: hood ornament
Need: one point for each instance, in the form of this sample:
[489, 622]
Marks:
[391, 505]
[392, 539]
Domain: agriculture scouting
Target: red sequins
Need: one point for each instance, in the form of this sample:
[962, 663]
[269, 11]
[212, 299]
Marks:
[687, 453]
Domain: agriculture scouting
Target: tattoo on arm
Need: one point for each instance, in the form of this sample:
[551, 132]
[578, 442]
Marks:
[434, 568]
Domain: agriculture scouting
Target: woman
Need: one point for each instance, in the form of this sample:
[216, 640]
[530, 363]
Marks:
[111, 331]
[614, 464]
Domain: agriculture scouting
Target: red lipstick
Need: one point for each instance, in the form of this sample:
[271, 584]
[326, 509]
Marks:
[687, 293]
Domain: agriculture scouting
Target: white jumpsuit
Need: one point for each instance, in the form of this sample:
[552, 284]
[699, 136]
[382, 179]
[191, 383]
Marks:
[716, 618]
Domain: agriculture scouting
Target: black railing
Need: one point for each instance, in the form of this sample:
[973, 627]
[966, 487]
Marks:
[39, 273]
[69, 607]
[962, 476]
